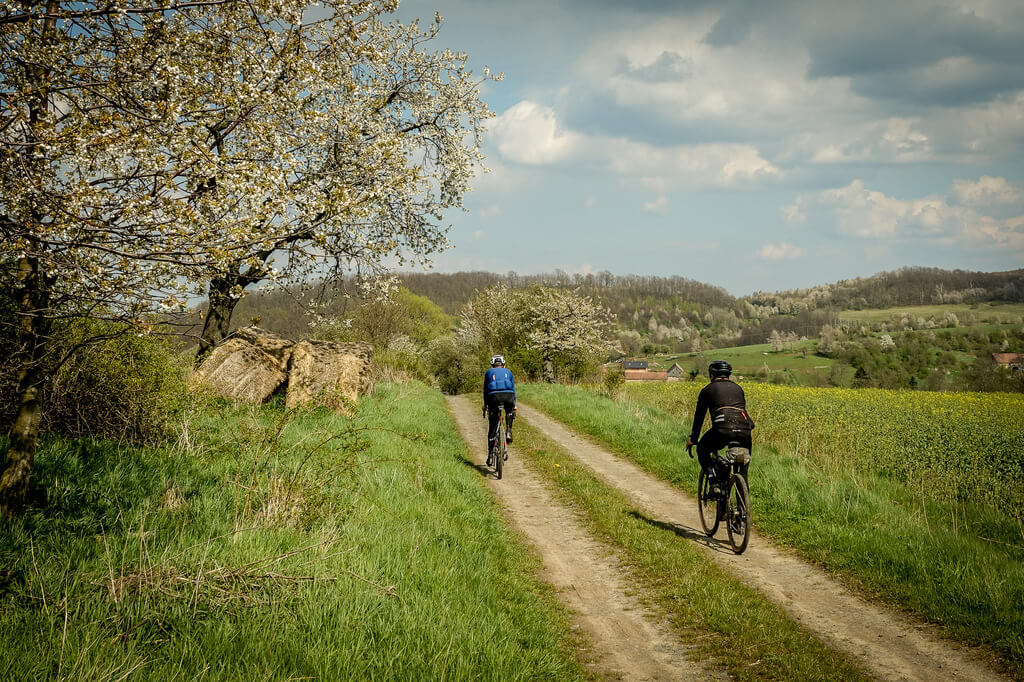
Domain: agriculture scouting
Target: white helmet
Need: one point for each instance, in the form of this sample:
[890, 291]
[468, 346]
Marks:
[498, 360]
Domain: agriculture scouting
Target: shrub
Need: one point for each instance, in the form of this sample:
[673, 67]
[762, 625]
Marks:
[614, 380]
[114, 384]
[401, 362]
[455, 368]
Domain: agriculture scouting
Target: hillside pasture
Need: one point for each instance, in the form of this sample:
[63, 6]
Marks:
[991, 313]
[799, 364]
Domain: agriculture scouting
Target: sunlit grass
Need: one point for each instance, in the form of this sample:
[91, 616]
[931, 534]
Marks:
[954, 564]
[275, 546]
[729, 625]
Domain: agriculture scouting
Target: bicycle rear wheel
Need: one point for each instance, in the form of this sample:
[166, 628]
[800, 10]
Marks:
[738, 516]
[707, 504]
[499, 446]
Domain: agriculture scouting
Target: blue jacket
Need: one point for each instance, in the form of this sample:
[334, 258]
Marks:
[497, 380]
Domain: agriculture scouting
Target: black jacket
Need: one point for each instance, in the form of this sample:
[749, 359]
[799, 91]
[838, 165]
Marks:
[725, 401]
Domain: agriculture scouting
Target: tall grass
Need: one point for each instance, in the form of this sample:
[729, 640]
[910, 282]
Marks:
[964, 449]
[276, 545]
[954, 564]
[729, 625]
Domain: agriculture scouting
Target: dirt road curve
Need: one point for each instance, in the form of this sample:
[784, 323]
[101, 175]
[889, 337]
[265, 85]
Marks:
[628, 643]
[887, 643]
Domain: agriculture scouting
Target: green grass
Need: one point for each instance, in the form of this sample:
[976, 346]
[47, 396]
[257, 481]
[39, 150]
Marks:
[959, 566]
[274, 546]
[801, 360]
[729, 624]
[993, 313]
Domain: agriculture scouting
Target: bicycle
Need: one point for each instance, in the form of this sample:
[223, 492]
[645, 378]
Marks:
[732, 504]
[498, 454]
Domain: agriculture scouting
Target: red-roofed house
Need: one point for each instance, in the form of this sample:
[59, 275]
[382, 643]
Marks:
[1011, 360]
[644, 375]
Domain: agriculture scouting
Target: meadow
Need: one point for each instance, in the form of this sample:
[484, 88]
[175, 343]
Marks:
[994, 313]
[912, 498]
[267, 544]
[800, 362]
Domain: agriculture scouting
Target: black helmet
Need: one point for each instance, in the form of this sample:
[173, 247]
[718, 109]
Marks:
[719, 368]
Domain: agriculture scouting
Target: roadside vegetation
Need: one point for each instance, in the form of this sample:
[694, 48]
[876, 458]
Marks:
[268, 544]
[915, 503]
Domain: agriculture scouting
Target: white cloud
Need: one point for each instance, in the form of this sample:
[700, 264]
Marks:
[529, 133]
[893, 140]
[757, 89]
[858, 211]
[491, 211]
[988, 190]
[478, 234]
[793, 213]
[534, 136]
[659, 205]
[780, 251]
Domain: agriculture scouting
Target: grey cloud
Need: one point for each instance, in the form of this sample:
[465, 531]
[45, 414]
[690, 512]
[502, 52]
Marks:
[731, 29]
[898, 37]
[668, 67]
[908, 86]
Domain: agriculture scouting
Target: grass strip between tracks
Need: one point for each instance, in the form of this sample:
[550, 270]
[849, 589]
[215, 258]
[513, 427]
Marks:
[730, 625]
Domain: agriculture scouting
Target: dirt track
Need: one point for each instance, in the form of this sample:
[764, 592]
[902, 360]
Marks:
[889, 644]
[627, 641]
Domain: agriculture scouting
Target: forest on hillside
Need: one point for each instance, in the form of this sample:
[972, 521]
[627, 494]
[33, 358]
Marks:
[664, 313]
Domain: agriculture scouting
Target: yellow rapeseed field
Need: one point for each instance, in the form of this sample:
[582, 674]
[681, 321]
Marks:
[963, 447]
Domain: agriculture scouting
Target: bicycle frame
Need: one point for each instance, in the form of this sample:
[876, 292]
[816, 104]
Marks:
[732, 504]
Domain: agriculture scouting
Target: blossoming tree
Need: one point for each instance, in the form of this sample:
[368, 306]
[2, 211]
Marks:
[555, 323]
[376, 138]
[149, 149]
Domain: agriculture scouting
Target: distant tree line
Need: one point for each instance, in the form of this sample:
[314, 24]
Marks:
[662, 314]
[904, 287]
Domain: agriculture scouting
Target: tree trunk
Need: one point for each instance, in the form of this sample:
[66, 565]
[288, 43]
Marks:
[548, 367]
[222, 303]
[218, 317]
[33, 298]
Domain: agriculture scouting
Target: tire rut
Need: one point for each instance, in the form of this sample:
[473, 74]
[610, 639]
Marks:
[888, 644]
[628, 641]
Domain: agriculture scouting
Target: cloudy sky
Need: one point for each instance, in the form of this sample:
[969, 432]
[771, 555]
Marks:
[748, 144]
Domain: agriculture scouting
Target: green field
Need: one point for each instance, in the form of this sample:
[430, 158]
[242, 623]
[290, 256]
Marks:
[267, 545]
[991, 313]
[799, 364]
[913, 497]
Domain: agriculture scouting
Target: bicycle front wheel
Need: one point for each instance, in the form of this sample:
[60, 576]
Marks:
[738, 514]
[707, 504]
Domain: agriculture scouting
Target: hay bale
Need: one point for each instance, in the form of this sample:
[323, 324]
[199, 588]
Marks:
[329, 374]
[273, 345]
[237, 369]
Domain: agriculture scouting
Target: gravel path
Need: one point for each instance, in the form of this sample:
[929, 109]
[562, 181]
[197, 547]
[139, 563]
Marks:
[627, 641]
[891, 645]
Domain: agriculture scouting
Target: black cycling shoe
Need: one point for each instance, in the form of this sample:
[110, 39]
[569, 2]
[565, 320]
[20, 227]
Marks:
[508, 437]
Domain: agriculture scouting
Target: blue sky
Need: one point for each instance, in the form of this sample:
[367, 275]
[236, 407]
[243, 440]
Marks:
[748, 144]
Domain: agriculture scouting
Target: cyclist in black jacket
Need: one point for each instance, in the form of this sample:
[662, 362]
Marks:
[724, 400]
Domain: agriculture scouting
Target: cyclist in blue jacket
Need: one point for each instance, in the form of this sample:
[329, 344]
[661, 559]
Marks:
[499, 389]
